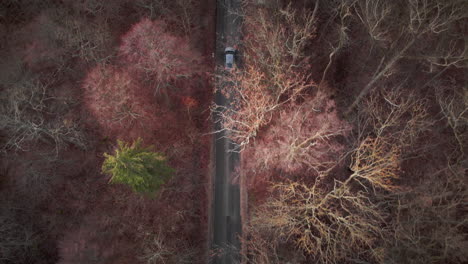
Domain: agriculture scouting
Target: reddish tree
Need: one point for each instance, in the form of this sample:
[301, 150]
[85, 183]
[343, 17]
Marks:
[124, 108]
[300, 138]
[156, 54]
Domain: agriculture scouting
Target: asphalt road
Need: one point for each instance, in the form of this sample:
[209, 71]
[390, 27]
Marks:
[225, 217]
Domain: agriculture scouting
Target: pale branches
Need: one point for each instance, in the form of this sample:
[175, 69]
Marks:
[110, 94]
[276, 71]
[158, 249]
[377, 162]
[344, 13]
[329, 226]
[420, 16]
[374, 15]
[447, 54]
[155, 249]
[442, 20]
[87, 41]
[389, 125]
[29, 114]
[102, 11]
[435, 16]
[157, 53]
[180, 13]
[252, 103]
[393, 114]
[384, 69]
[301, 151]
[332, 225]
[184, 13]
[427, 218]
[276, 46]
[251, 108]
[454, 108]
[151, 8]
[430, 23]
[302, 138]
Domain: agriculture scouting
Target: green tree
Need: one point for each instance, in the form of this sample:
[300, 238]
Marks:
[138, 167]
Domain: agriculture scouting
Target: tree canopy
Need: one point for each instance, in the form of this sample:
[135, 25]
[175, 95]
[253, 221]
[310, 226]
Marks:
[137, 166]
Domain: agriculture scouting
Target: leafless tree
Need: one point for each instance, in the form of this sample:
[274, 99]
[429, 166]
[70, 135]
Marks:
[454, 108]
[276, 71]
[25, 103]
[426, 19]
[430, 219]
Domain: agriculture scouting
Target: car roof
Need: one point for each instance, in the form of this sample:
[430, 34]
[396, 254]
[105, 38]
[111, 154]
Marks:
[229, 49]
[229, 60]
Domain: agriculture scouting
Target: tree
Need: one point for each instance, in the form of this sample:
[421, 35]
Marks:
[276, 71]
[158, 55]
[330, 224]
[301, 138]
[429, 34]
[140, 168]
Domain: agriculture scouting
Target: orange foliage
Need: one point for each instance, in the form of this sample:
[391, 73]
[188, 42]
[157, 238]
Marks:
[189, 102]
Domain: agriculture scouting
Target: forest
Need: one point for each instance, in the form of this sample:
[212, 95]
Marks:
[85, 85]
[350, 117]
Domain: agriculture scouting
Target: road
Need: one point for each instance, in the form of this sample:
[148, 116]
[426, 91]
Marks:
[226, 221]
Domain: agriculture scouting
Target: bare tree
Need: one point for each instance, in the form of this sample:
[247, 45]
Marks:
[430, 219]
[395, 114]
[454, 107]
[375, 16]
[18, 242]
[329, 226]
[301, 139]
[156, 250]
[159, 249]
[276, 71]
[344, 13]
[252, 107]
[425, 19]
[158, 56]
[23, 116]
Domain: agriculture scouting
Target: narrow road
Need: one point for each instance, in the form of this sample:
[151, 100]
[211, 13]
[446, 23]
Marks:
[225, 217]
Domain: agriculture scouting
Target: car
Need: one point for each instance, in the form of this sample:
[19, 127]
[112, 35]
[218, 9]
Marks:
[229, 56]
